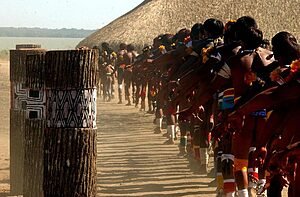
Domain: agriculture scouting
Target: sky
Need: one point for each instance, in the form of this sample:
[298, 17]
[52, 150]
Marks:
[80, 14]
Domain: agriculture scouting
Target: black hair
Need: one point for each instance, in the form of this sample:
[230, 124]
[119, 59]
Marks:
[147, 49]
[247, 22]
[214, 27]
[167, 40]
[285, 45]
[247, 32]
[130, 47]
[157, 41]
[123, 46]
[229, 33]
[266, 44]
[105, 47]
[181, 35]
[196, 31]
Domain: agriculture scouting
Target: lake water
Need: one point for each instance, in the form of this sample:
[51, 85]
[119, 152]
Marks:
[7, 43]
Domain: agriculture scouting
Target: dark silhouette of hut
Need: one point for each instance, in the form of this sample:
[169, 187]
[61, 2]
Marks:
[153, 17]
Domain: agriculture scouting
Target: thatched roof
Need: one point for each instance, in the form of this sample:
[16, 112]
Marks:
[154, 17]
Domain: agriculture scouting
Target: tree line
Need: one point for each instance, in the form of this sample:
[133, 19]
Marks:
[44, 32]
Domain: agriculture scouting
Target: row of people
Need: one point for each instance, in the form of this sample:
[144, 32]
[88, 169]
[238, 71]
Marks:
[223, 85]
[115, 68]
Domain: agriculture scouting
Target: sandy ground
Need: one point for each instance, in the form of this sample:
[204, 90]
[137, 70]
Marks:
[4, 128]
[132, 160]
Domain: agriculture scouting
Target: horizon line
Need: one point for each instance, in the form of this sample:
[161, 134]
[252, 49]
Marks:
[57, 28]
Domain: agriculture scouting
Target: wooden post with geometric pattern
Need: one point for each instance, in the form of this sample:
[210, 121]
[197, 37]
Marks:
[70, 134]
[34, 126]
[18, 114]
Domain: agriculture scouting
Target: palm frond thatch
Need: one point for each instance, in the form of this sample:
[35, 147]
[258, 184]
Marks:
[154, 17]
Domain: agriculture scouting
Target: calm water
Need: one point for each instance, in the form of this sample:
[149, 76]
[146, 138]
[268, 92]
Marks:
[7, 43]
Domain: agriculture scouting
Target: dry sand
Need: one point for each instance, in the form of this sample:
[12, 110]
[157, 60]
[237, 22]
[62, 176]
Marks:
[4, 126]
[133, 161]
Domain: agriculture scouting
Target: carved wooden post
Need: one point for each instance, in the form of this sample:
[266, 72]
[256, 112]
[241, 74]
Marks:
[34, 125]
[17, 116]
[70, 134]
[27, 46]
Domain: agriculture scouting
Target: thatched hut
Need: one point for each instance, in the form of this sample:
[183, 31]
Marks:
[153, 17]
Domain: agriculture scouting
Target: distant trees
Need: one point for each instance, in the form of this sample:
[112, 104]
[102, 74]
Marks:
[44, 32]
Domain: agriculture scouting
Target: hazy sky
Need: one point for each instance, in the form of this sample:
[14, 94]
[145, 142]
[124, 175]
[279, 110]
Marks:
[86, 14]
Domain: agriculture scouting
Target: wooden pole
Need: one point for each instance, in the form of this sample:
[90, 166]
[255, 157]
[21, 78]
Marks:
[34, 126]
[70, 134]
[17, 117]
[27, 46]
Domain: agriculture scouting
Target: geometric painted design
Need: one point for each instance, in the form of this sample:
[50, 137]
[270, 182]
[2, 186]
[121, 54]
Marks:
[71, 108]
[20, 96]
[36, 104]
[33, 101]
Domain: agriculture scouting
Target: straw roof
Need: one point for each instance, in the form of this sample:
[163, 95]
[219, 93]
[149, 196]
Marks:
[154, 17]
